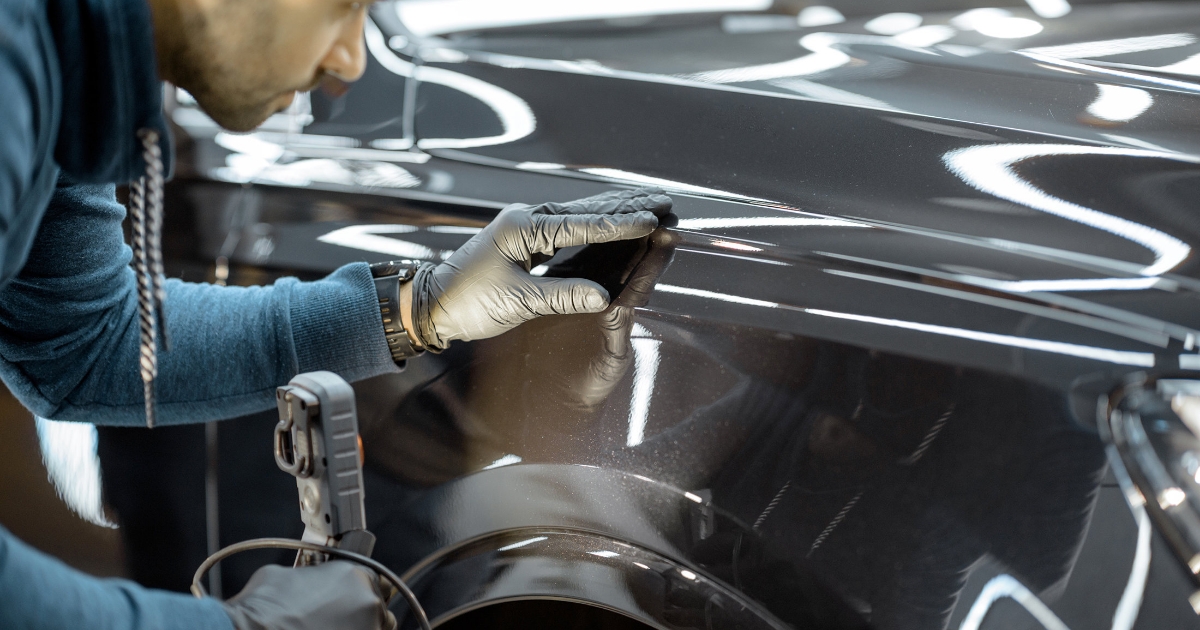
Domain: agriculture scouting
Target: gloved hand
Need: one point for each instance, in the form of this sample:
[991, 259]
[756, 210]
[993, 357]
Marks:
[485, 288]
[335, 594]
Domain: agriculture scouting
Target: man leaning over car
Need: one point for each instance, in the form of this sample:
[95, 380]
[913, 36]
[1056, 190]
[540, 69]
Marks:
[82, 102]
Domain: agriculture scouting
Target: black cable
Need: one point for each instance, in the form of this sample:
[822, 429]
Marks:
[287, 543]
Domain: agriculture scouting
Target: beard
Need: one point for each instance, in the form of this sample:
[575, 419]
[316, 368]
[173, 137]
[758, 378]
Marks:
[226, 74]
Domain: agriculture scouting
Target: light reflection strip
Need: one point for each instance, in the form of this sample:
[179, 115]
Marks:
[518, 545]
[1105, 48]
[645, 371]
[516, 117]
[1121, 357]
[989, 168]
[1135, 588]
[1005, 585]
[666, 184]
[1118, 103]
[1184, 86]
[367, 238]
[1079, 284]
[746, 222]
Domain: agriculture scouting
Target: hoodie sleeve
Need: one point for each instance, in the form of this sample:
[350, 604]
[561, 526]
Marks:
[38, 592]
[69, 329]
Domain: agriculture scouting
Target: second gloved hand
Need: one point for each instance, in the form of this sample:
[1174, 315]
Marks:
[485, 288]
[335, 594]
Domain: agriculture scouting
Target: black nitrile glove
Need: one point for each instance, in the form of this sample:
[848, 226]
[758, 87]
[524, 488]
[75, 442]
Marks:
[485, 288]
[335, 594]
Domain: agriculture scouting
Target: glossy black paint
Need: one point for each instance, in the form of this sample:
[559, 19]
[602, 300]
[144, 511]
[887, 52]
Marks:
[853, 379]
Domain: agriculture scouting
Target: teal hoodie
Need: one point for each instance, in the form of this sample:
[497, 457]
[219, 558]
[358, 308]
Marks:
[78, 79]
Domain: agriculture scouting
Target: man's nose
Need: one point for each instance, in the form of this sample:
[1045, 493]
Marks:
[347, 59]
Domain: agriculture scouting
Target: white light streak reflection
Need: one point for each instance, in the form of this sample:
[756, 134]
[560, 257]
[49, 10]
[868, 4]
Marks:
[645, 371]
[516, 118]
[604, 554]
[1062, 64]
[443, 55]
[250, 144]
[1131, 600]
[436, 17]
[454, 229]
[1137, 142]
[961, 51]
[368, 239]
[1050, 8]
[829, 94]
[383, 54]
[666, 184]
[989, 169]
[741, 247]
[893, 23]
[69, 454]
[1009, 28]
[765, 261]
[756, 222]
[1121, 357]
[687, 574]
[970, 20]
[693, 498]
[540, 166]
[1118, 103]
[507, 460]
[1189, 67]
[1007, 586]
[1107, 47]
[392, 144]
[1080, 284]
[523, 543]
[1171, 497]
[822, 58]
[640, 565]
[712, 295]
[819, 15]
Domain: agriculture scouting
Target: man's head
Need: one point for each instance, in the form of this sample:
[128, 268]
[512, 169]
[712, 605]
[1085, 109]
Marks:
[244, 60]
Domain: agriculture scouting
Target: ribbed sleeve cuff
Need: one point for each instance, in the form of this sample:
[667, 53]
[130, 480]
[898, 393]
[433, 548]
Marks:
[171, 611]
[336, 325]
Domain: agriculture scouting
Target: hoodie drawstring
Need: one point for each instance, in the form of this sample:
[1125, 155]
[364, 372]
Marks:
[146, 217]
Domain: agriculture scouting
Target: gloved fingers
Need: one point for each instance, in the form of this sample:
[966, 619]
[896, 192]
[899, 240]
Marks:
[645, 275]
[648, 199]
[389, 621]
[553, 232]
[567, 296]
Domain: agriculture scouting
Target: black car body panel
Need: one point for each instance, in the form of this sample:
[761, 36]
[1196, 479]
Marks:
[897, 277]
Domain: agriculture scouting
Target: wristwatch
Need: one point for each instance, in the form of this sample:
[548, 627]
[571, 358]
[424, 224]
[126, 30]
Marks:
[388, 277]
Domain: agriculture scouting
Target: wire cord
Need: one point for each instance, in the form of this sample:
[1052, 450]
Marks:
[288, 543]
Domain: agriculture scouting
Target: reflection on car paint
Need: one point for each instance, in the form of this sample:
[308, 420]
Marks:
[886, 440]
[992, 169]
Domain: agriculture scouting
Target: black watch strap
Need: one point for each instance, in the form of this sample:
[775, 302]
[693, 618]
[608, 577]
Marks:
[388, 276]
